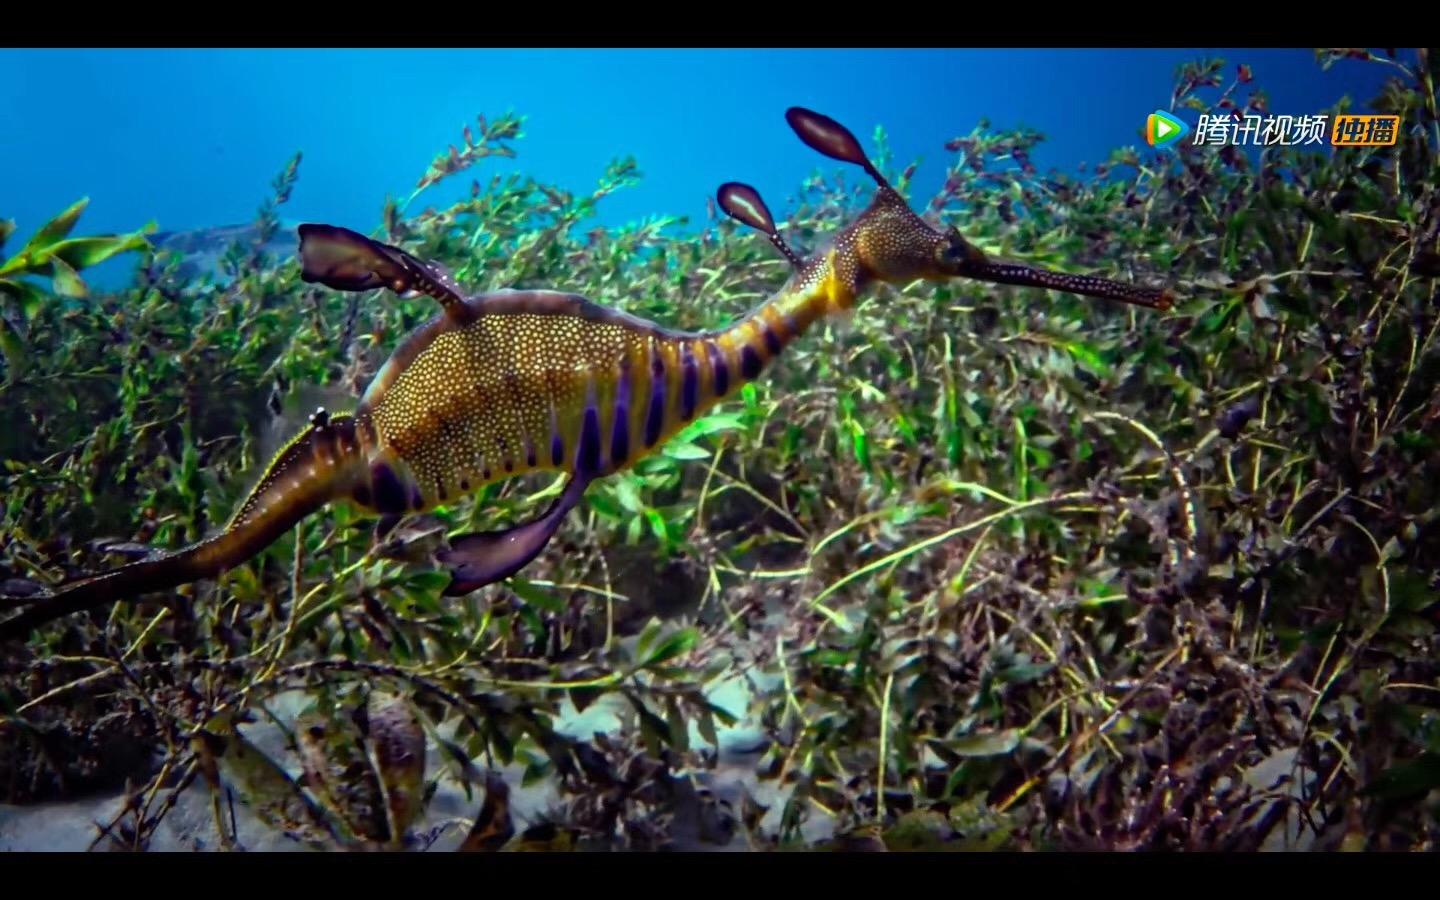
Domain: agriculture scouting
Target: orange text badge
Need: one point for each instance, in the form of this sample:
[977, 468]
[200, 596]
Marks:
[1365, 131]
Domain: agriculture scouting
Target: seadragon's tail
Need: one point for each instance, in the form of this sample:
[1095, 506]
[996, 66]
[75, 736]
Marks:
[319, 465]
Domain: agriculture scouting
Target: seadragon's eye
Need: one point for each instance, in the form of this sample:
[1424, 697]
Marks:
[952, 252]
[959, 254]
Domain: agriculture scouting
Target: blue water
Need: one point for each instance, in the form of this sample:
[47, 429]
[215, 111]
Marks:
[192, 138]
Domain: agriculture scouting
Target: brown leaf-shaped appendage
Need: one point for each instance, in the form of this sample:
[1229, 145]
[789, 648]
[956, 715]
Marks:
[349, 261]
[339, 775]
[742, 203]
[397, 742]
[207, 748]
[261, 785]
[826, 136]
[493, 826]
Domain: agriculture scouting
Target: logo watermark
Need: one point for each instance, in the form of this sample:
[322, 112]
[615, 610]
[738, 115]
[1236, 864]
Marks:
[1162, 129]
[1226, 130]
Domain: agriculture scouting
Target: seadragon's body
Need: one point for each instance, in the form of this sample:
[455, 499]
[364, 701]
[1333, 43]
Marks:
[505, 383]
[540, 380]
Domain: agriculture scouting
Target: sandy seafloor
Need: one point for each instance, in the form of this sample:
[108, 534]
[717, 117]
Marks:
[190, 826]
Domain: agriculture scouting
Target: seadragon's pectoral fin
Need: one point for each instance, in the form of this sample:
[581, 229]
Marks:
[385, 525]
[482, 558]
[348, 261]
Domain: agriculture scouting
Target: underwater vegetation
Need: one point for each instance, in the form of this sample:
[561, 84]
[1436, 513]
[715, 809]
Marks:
[1005, 568]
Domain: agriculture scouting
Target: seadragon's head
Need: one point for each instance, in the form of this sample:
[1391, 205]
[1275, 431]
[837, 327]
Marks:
[889, 243]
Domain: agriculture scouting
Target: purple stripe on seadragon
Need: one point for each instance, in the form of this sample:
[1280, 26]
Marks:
[390, 492]
[620, 428]
[749, 363]
[557, 441]
[721, 368]
[772, 340]
[509, 462]
[690, 383]
[655, 416]
[587, 454]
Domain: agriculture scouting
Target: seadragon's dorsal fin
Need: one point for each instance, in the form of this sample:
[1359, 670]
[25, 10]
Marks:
[348, 261]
